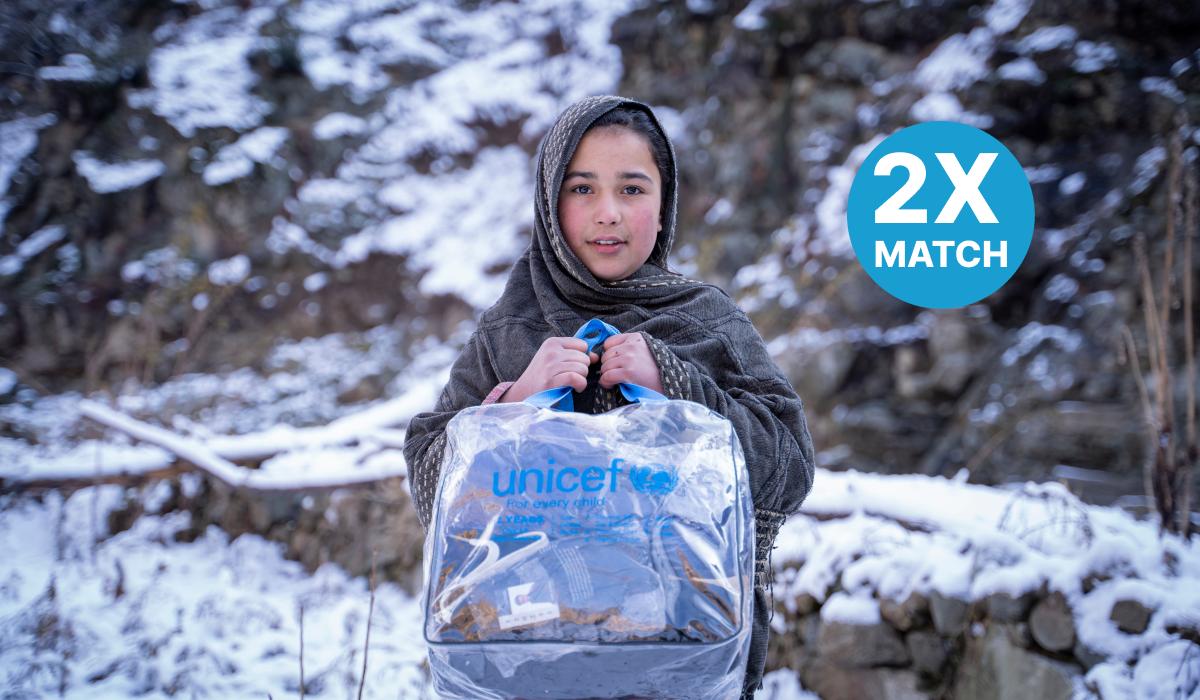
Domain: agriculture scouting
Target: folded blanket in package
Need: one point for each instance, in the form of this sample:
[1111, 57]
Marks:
[590, 556]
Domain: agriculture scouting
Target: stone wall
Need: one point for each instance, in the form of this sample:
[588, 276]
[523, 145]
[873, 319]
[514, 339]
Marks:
[936, 646]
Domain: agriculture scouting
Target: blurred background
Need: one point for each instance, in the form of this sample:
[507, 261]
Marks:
[255, 217]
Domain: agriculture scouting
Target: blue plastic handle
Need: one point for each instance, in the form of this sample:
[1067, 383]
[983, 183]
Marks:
[594, 333]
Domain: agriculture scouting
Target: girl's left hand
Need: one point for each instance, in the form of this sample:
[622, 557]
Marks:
[627, 359]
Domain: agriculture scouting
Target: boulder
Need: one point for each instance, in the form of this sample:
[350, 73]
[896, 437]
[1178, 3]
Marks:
[928, 650]
[1003, 607]
[833, 682]
[911, 613]
[1052, 624]
[809, 629]
[805, 604]
[1019, 634]
[949, 614]
[1131, 616]
[861, 646]
[993, 668]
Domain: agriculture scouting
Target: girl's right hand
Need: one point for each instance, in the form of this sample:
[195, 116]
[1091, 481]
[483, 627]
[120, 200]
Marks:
[558, 362]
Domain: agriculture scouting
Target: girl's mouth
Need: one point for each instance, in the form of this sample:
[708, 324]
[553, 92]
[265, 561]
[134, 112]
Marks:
[607, 245]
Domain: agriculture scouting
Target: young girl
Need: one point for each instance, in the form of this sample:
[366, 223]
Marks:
[606, 201]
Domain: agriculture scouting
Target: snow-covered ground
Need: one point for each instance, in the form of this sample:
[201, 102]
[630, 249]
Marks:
[894, 535]
[87, 615]
[140, 614]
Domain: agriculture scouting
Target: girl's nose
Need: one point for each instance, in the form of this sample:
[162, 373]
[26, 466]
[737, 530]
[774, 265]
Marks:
[607, 211]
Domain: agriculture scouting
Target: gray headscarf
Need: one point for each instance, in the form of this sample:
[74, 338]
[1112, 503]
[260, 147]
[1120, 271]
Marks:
[706, 348]
[558, 278]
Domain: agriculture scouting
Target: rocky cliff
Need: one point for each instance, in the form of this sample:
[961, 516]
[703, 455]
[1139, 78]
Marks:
[186, 184]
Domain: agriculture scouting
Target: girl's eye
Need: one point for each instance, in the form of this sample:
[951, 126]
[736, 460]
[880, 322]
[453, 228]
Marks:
[635, 188]
[576, 188]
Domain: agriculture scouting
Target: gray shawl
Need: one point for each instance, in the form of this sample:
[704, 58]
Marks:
[706, 348]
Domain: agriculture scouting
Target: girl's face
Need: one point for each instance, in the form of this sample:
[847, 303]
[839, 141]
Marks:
[610, 201]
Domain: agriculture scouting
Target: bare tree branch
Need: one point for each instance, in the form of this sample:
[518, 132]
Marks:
[367, 643]
[1192, 449]
[1147, 412]
[301, 651]
[196, 454]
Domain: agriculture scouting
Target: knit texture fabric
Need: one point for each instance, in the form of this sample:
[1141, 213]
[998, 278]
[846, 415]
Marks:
[706, 349]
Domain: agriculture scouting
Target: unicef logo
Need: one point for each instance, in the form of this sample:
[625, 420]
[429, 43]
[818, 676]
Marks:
[940, 215]
[654, 479]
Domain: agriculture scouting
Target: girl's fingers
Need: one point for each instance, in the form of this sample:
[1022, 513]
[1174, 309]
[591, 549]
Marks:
[615, 340]
[576, 381]
[614, 377]
[613, 365]
[574, 366]
[574, 344]
[580, 355]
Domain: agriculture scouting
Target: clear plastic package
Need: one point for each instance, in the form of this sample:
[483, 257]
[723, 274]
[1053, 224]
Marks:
[590, 556]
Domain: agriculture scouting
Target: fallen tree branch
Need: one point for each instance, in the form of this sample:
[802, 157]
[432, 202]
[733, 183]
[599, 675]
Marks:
[195, 455]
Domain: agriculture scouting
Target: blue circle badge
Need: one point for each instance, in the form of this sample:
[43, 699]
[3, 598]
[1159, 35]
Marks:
[940, 215]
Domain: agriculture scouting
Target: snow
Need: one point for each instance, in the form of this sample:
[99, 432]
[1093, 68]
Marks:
[858, 539]
[199, 73]
[89, 458]
[473, 68]
[1163, 86]
[18, 138]
[805, 340]
[315, 282]
[784, 684]
[230, 271]
[159, 266]
[718, 212]
[1047, 39]
[957, 62]
[1022, 69]
[874, 536]
[750, 19]
[442, 221]
[342, 445]
[1031, 336]
[330, 192]
[1071, 184]
[75, 67]
[1061, 288]
[31, 247]
[1147, 167]
[1091, 57]
[8, 380]
[852, 610]
[140, 613]
[942, 106]
[360, 66]
[1179, 662]
[1043, 173]
[338, 124]
[237, 159]
[831, 231]
[105, 178]
[1006, 15]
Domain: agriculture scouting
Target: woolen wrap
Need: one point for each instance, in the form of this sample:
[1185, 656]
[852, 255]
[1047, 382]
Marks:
[706, 348]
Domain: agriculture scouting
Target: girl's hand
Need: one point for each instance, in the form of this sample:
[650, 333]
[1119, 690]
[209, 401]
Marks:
[559, 362]
[627, 358]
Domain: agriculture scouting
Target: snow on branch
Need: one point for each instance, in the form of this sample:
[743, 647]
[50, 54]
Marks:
[353, 450]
